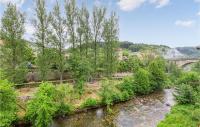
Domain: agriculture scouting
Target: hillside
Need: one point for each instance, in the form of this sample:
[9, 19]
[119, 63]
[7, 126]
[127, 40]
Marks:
[163, 50]
[189, 51]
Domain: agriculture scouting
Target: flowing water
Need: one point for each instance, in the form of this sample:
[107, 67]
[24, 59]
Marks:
[144, 111]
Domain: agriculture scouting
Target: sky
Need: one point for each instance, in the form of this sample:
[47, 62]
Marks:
[175, 23]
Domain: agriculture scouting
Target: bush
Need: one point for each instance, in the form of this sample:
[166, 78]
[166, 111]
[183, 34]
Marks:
[89, 102]
[174, 72]
[8, 106]
[190, 78]
[42, 107]
[79, 87]
[196, 114]
[185, 94]
[126, 87]
[64, 96]
[80, 68]
[64, 109]
[157, 73]
[132, 63]
[196, 67]
[181, 116]
[110, 93]
[197, 100]
[142, 83]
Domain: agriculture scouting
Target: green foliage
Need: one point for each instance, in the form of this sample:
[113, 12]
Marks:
[196, 67]
[8, 104]
[2, 75]
[142, 82]
[182, 116]
[15, 52]
[134, 47]
[41, 108]
[80, 68]
[47, 102]
[80, 87]
[64, 96]
[89, 102]
[188, 88]
[190, 78]
[112, 92]
[157, 73]
[109, 93]
[45, 61]
[174, 72]
[185, 94]
[110, 37]
[131, 64]
[126, 87]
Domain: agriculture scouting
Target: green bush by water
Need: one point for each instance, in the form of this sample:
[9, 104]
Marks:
[8, 104]
[89, 102]
[182, 116]
[142, 82]
[47, 102]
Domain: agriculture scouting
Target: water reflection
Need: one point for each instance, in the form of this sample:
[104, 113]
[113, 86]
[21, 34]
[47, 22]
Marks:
[145, 111]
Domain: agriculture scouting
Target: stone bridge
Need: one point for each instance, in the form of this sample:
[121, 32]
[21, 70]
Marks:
[182, 62]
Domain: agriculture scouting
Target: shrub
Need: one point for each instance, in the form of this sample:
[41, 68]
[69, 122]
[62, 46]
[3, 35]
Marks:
[190, 78]
[79, 87]
[89, 102]
[64, 109]
[126, 87]
[197, 100]
[109, 93]
[65, 92]
[174, 72]
[132, 63]
[2, 76]
[196, 114]
[42, 107]
[181, 116]
[185, 94]
[157, 73]
[196, 67]
[142, 83]
[8, 106]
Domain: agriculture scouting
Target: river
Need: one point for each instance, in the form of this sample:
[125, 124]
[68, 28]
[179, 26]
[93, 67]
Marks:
[143, 111]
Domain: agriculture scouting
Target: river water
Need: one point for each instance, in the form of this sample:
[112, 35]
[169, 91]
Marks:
[144, 111]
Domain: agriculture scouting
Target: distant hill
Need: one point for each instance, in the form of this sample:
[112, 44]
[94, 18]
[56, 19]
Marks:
[136, 47]
[165, 51]
[189, 51]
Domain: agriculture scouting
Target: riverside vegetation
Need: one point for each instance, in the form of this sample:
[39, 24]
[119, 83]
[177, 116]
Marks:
[93, 43]
[50, 101]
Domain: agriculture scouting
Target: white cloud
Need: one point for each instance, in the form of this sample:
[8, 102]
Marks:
[30, 30]
[160, 3]
[185, 23]
[197, 1]
[19, 3]
[198, 13]
[128, 5]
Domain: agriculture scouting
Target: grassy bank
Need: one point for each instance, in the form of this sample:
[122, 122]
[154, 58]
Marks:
[182, 116]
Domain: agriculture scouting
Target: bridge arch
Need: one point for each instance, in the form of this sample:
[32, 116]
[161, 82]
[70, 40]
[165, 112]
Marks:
[184, 62]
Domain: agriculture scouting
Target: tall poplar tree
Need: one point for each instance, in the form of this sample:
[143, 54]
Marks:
[110, 37]
[59, 36]
[86, 29]
[71, 14]
[11, 51]
[97, 23]
[41, 24]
